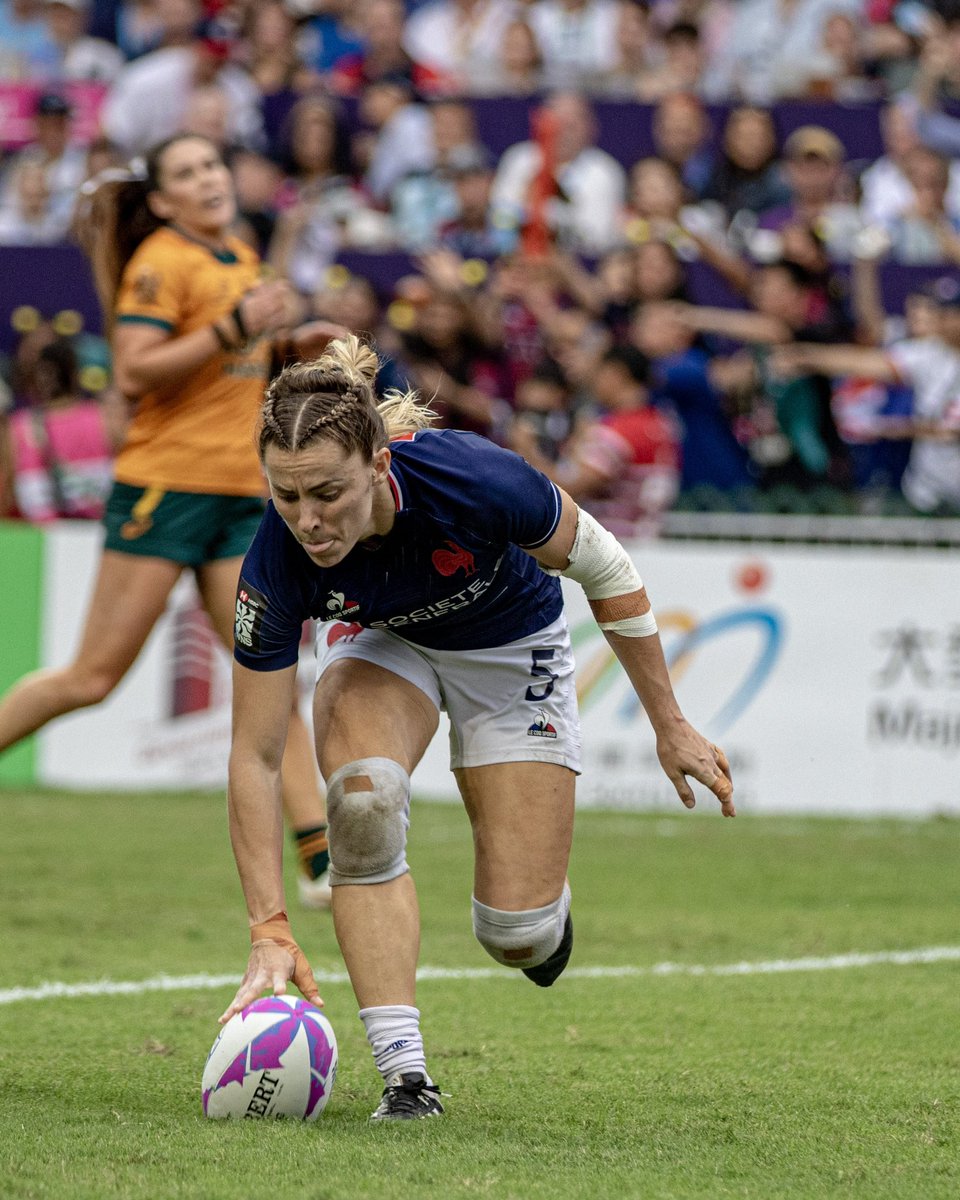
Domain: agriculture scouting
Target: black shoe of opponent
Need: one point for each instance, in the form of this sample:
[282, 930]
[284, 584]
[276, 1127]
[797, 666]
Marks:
[408, 1098]
[550, 970]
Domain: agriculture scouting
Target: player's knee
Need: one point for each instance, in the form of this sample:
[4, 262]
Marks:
[88, 687]
[521, 939]
[368, 810]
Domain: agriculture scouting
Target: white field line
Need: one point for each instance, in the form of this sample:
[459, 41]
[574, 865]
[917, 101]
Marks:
[189, 983]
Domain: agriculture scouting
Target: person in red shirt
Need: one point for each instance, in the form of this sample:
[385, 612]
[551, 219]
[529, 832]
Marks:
[622, 466]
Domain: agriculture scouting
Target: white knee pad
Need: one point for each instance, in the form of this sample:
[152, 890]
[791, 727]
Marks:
[368, 811]
[521, 939]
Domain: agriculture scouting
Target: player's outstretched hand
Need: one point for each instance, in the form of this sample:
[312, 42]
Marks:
[684, 752]
[273, 961]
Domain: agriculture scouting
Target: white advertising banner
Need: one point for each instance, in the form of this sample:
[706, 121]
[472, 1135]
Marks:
[831, 677]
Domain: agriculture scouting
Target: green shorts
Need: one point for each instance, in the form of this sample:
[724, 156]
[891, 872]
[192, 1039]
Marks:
[184, 527]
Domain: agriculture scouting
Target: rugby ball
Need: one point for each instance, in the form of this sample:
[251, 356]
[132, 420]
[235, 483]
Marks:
[277, 1058]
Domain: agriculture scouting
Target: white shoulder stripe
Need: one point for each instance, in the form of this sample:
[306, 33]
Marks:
[557, 506]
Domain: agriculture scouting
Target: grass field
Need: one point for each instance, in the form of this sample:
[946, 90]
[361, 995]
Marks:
[793, 1083]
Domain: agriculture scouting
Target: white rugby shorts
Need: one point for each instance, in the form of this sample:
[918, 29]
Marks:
[512, 703]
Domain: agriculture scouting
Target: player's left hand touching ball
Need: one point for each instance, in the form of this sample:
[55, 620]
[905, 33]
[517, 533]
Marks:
[274, 959]
[684, 752]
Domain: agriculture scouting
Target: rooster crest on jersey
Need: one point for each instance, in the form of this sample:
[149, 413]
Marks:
[451, 560]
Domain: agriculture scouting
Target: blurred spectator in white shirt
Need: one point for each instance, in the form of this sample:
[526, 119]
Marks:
[769, 46]
[519, 71]
[578, 39]
[403, 143]
[459, 39]
[884, 187]
[837, 70]
[28, 217]
[592, 184]
[425, 200]
[924, 232]
[63, 163]
[90, 59]
[639, 52]
[149, 97]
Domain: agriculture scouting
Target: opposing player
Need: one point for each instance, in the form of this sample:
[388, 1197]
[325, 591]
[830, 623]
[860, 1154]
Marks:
[193, 331]
[433, 559]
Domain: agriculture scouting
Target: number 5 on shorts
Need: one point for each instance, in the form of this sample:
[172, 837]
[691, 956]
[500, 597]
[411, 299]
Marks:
[537, 668]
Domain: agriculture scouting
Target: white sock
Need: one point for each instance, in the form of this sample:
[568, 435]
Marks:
[393, 1031]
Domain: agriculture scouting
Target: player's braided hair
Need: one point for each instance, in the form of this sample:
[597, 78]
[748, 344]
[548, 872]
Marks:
[333, 398]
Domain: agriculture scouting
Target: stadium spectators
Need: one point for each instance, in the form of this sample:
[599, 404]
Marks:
[389, 172]
[577, 38]
[931, 365]
[425, 200]
[62, 162]
[747, 176]
[60, 445]
[587, 184]
[680, 71]
[472, 233]
[29, 216]
[681, 137]
[148, 98]
[793, 437]
[403, 142]
[458, 40]
[925, 231]
[27, 51]
[820, 195]
[317, 201]
[519, 67]
[623, 465]
[381, 54]
[687, 379]
[82, 57]
[769, 48]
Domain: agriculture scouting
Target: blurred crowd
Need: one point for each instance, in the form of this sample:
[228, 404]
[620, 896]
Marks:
[548, 300]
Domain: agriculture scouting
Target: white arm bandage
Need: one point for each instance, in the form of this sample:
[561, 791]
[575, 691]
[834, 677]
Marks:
[603, 569]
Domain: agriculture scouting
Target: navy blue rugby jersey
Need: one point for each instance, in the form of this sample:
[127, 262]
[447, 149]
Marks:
[449, 576]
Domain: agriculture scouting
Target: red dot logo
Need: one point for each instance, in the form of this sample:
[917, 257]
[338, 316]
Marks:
[752, 576]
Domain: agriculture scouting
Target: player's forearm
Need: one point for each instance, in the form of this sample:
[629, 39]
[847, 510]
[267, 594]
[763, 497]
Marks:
[256, 833]
[643, 661]
[863, 361]
[740, 326]
[167, 364]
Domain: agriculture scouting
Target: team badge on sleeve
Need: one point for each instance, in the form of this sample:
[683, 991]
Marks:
[146, 285]
[251, 607]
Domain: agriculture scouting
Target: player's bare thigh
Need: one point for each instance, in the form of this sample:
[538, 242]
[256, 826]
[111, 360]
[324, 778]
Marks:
[361, 710]
[130, 594]
[522, 818]
[217, 582]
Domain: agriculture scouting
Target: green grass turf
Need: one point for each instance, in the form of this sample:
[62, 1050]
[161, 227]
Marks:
[795, 1085]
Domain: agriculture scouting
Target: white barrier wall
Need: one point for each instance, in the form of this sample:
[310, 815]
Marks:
[830, 676]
